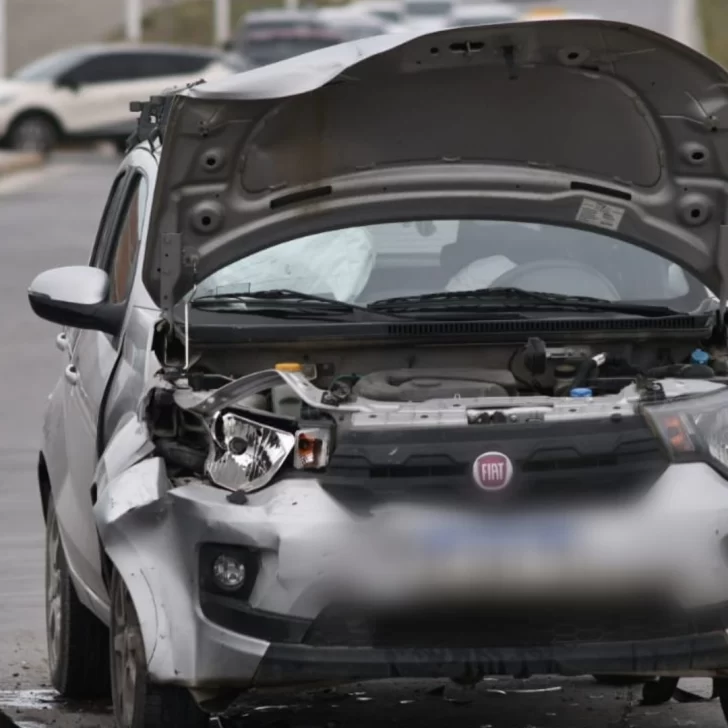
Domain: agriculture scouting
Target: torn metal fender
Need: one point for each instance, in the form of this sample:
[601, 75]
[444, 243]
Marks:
[136, 497]
[128, 445]
[151, 532]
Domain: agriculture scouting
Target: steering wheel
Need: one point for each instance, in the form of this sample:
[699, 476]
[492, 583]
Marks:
[559, 276]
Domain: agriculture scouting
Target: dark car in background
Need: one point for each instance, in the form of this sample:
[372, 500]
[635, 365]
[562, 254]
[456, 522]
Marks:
[268, 36]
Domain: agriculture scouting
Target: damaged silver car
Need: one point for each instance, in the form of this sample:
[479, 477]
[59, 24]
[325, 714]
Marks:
[404, 358]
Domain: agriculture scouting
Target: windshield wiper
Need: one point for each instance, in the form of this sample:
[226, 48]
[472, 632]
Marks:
[281, 302]
[510, 298]
[276, 295]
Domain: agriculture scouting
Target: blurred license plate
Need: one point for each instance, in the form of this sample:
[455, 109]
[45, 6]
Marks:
[506, 536]
[522, 553]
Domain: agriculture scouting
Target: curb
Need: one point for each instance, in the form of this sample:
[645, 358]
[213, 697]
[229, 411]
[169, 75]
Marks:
[11, 162]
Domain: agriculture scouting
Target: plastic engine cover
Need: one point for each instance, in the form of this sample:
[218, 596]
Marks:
[420, 385]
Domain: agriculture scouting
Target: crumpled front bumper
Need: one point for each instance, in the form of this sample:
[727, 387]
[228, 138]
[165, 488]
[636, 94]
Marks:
[153, 534]
[696, 655]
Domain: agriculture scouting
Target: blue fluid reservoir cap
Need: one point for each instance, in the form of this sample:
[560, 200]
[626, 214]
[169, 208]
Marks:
[581, 392]
[700, 357]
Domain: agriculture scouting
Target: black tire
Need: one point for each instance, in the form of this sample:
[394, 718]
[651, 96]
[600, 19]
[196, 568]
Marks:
[34, 133]
[78, 653]
[619, 680]
[137, 702]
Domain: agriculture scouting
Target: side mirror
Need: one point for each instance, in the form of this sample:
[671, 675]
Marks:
[76, 296]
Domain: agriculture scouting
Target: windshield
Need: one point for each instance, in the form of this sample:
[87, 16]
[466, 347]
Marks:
[428, 8]
[49, 68]
[364, 264]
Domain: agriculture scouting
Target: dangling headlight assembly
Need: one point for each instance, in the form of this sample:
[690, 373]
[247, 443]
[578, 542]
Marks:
[246, 454]
[694, 429]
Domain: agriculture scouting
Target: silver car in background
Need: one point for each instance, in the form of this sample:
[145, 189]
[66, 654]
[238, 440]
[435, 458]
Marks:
[396, 360]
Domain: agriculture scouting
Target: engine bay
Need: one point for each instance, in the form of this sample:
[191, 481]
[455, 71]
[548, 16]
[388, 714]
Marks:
[419, 374]
[238, 419]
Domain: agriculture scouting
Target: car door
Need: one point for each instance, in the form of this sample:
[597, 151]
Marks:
[102, 88]
[93, 359]
[106, 84]
[160, 70]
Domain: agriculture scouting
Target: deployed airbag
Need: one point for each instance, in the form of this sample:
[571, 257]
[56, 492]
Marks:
[336, 264]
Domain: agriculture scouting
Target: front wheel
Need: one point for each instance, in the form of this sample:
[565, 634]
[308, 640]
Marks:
[78, 658]
[33, 133]
[137, 702]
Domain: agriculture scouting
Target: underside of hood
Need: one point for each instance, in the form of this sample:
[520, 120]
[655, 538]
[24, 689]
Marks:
[589, 124]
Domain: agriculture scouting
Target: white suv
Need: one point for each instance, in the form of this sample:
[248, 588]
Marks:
[85, 91]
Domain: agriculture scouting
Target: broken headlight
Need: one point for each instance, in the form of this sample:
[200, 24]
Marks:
[694, 429]
[246, 455]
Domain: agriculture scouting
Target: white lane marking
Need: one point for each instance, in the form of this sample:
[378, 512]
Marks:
[30, 724]
[27, 699]
[20, 181]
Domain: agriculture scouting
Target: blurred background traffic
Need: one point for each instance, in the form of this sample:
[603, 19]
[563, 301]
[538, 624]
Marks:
[71, 67]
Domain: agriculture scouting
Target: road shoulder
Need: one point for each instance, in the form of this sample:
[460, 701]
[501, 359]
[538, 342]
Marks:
[11, 162]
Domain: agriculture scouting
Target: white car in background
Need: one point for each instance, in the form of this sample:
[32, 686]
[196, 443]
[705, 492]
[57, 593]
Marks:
[84, 92]
[483, 14]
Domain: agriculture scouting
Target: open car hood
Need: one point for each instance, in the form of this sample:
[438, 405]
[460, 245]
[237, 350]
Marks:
[591, 124]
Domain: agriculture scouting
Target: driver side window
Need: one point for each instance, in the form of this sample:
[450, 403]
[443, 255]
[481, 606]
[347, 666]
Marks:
[105, 68]
[123, 256]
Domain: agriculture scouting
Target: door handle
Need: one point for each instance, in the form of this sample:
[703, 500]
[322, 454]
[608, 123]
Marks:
[62, 342]
[71, 374]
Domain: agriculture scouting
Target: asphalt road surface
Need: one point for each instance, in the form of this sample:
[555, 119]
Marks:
[48, 218]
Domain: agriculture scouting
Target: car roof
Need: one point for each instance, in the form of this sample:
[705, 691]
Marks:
[126, 47]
